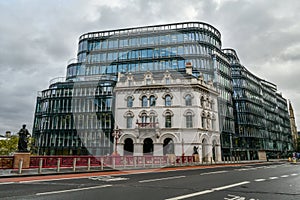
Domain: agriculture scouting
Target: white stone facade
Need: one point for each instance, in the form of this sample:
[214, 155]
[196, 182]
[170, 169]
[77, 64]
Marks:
[167, 113]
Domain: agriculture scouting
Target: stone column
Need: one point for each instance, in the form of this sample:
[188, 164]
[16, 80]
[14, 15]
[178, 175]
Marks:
[120, 149]
[138, 149]
[218, 153]
[158, 149]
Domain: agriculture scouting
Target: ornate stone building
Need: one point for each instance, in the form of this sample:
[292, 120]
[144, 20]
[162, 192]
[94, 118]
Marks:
[167, 113]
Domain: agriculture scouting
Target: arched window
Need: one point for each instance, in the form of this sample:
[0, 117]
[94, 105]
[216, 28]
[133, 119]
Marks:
[168, 120]
[208, 121]
[188, 100]
[189, 120]
[129, 122]
[152, 100]
[129, 101]
[129, 119]
[152, 117]
[144, 101]
[168, 100]
[202, 101]
[144, 117]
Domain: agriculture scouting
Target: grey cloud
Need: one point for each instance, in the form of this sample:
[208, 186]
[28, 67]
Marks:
[38, 38]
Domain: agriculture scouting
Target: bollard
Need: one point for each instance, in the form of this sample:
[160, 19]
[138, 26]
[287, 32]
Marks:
[40, 165]
[160, 162]
[101, 163]
[168, 161]
[181, 161]
[58, 165]
[134, 162]
[144, 161]
[152, 160]
[114, 162]
[124, 162]
[20, 166]
[89, 164]
[211, 160]
[74, 164]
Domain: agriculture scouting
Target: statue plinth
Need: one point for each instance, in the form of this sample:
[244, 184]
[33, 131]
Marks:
[196, 158]
[25, 156]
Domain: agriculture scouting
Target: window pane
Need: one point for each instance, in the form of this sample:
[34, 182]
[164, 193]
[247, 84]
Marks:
[144, 101]
[168, 100]
[152, 101]
[129, 122]
[129, 102]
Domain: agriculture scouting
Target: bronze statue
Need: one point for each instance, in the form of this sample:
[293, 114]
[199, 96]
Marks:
[195, 150]
[23, 139]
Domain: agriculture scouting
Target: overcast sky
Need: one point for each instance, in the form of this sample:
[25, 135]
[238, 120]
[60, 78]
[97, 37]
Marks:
[38, 38]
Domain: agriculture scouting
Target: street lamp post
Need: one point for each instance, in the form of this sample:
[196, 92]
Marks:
[116, 133]
[182, 146]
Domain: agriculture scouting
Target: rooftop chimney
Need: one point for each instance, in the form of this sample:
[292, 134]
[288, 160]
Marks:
[188, 68]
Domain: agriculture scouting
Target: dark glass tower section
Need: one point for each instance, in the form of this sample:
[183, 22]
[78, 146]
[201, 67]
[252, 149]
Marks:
[261, 114]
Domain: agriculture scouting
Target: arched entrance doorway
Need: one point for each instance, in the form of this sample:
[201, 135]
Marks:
[168, 146]
[128, 146]
[214, 153]
[148, 146]
[204, 150]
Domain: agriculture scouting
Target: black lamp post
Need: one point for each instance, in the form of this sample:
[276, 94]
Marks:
[117, 133]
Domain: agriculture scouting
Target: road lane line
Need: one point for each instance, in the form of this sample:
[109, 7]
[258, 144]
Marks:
[190, 195]
[272, 178]
[216, 172]
[208, 191]
[73, 190]
[259, 180]
[161, 179]
[230, 186]
[294, 174]
[284, 176]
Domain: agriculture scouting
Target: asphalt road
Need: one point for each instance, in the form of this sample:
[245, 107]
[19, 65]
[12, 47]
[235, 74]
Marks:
[275, 181]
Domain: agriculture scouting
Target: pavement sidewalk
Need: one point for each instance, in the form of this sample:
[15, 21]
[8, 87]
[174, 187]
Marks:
[8, 173]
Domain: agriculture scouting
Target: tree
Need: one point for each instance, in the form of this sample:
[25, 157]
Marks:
[9, 145]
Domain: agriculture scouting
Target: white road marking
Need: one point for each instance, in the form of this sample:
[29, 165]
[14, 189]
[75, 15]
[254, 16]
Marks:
[241, 169]
[6, 183]
[259, 180]
[284, 176]
[161, 179]
[54, 179]
[208, 191]
[294, 174]
[274, 177]
[107, 178]
[217, 172]
[230, 186]
[73, 190]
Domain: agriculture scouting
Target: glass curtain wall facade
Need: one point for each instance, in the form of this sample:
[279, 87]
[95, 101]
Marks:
[261, 114]
[159, 48]
[74, 119]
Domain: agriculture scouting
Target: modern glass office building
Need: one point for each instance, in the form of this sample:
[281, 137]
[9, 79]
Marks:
[141, 49]
[105, 54]
[261, 114]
